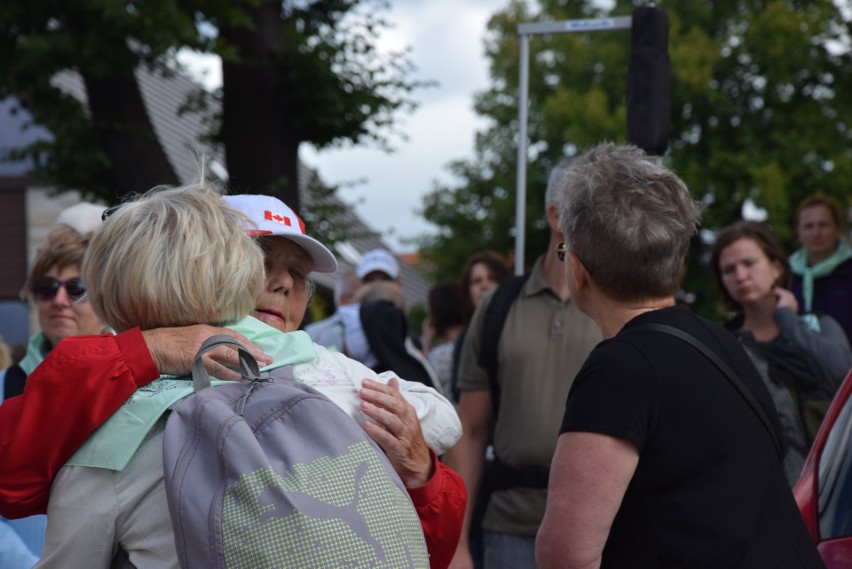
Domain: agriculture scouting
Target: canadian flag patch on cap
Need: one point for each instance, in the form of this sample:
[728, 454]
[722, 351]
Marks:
[271, 216]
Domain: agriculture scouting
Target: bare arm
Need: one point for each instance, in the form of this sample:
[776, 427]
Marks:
[467, 459]
[588, 478]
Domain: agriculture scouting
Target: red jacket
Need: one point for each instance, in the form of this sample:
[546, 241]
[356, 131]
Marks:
[85, 379]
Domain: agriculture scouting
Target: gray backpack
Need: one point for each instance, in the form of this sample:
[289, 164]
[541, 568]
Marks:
[266, 472]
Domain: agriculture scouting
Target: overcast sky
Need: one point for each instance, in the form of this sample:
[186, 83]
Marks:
[446, 39]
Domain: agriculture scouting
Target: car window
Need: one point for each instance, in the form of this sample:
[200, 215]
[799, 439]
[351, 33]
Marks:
[835, 481]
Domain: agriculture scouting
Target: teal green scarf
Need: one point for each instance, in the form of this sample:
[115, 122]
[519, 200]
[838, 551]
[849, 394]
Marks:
[37, 349]
[116, 441]
[799, 266]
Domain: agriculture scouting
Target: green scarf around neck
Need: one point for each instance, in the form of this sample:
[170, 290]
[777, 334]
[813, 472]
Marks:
[115, 442]
[799, 266]
[37, 349]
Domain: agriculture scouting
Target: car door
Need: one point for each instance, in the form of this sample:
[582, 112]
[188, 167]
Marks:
[824, 491]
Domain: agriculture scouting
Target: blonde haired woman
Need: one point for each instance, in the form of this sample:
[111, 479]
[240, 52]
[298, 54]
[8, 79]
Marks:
[172, 257]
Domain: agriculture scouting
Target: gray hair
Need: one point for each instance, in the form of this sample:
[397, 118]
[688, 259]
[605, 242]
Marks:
[628, 219]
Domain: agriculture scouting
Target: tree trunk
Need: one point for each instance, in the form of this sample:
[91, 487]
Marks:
[137, 159]
[261, 151]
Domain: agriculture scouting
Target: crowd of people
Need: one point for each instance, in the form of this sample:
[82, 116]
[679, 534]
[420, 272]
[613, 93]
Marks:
[574, 416]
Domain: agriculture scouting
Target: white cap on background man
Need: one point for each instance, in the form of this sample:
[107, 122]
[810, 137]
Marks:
[378, 261]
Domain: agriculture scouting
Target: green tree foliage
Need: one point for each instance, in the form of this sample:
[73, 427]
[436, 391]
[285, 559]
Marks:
[758, 113]
[103, 42]
[294, 71]
[305, 72]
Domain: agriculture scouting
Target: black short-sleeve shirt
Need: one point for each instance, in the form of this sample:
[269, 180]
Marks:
[708, 490]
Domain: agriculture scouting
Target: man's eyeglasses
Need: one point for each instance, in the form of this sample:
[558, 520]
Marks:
[561, 249]
[46, 288]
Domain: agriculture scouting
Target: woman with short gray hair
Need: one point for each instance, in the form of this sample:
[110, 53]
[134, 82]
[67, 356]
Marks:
[629, 219]
[662, 461]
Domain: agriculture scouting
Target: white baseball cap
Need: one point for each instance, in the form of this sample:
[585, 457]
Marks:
[271, 216]
[378, 260]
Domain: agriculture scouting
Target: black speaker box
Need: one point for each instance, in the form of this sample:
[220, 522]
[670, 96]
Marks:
[649, 81]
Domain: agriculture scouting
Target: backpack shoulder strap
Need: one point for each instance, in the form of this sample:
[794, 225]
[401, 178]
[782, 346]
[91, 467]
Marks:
[492, 329]
[729, 374]
[457, 350]
[14, 381]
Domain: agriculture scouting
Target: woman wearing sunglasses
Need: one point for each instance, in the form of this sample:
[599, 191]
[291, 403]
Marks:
[55, 287]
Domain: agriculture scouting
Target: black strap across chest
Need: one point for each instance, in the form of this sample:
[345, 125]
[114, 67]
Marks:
[729, 374]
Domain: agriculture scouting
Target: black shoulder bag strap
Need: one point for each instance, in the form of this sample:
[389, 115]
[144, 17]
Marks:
[13, 384]
[492, 328]
[724, 368]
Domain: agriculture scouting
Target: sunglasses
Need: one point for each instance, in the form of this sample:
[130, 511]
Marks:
[109, 211]
[46, 288]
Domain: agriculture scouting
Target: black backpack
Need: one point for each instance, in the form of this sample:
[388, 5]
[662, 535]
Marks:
[500, 475]
[387, 332]
[492, 329]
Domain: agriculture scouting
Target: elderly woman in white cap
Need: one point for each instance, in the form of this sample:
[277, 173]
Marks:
[290, 255]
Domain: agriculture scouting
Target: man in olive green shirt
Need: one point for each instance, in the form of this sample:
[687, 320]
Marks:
[544, 342]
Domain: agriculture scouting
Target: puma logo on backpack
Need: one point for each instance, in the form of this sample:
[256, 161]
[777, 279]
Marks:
[267, 473]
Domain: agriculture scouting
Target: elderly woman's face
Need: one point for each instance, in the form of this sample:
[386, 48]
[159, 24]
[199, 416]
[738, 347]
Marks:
[61, 317]
[284, 298]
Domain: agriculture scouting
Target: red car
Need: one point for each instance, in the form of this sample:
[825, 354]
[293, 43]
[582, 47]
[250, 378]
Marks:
[824, 491]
